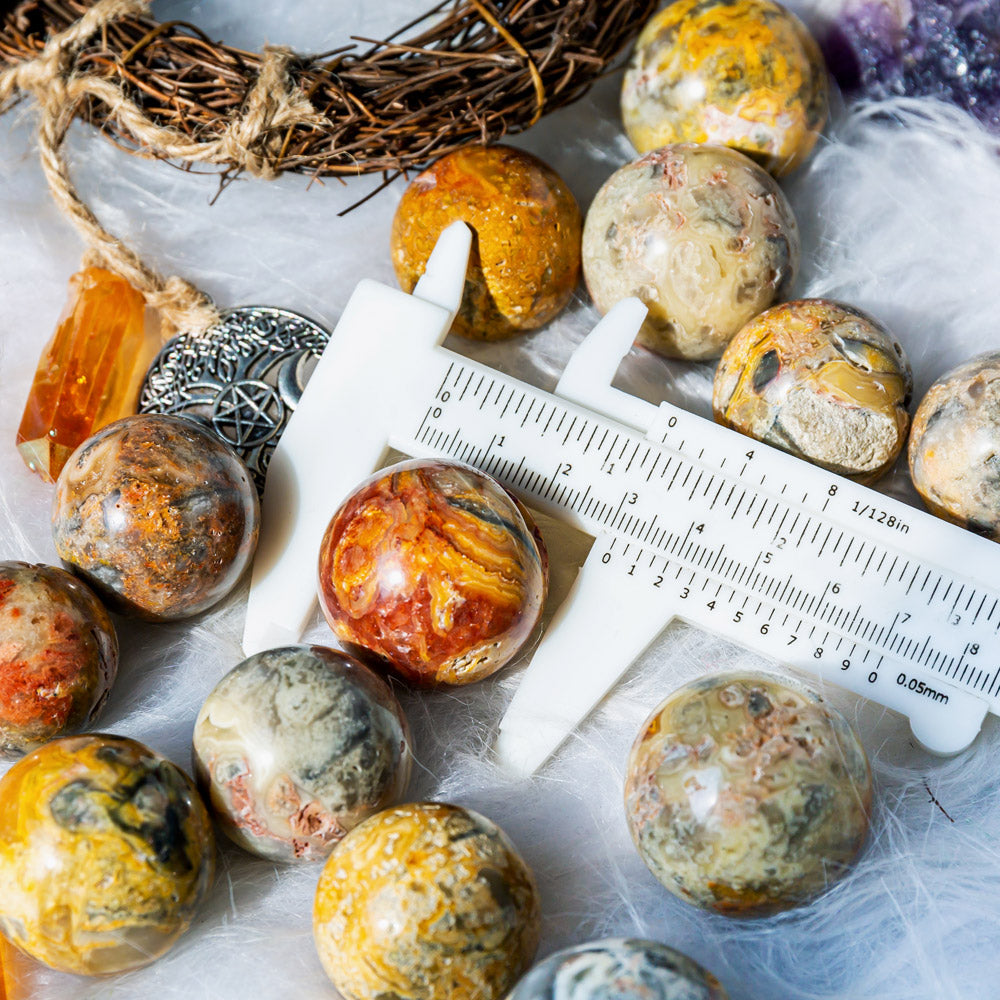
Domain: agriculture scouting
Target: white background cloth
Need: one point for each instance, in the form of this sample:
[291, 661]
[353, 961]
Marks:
[899, 212]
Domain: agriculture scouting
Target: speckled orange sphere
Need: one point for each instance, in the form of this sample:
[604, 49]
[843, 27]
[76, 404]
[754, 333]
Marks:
[525, 260]
[58, 655]
[426, 901]
[435, 568]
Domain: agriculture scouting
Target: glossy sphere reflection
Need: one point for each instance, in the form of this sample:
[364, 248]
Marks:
[739, 73]
[618, 969]
[746, 795]
[426, 901]
[295, 746]
[435, 568]
[58, 655]
[702, 235]
[954, 446]
[158, 515]
[820, 380]
[105, 853]
[525, 259]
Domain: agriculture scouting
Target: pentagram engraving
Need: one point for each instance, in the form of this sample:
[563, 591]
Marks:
[247, 413]
[242, 379]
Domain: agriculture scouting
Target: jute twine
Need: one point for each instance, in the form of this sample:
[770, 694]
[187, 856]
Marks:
[251, 141]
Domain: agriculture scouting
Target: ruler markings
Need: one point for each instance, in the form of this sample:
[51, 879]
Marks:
[866, 557]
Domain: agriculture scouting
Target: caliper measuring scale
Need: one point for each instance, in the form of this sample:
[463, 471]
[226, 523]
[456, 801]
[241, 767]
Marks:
[689, 519]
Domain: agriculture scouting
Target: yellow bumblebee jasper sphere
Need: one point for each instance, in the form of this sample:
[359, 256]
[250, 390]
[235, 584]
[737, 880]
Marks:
[821, 380]
[954, 444]
[702, 235]
[105, 853]
[426, 901]
[739, 73]
[525, 259]
[746, 795]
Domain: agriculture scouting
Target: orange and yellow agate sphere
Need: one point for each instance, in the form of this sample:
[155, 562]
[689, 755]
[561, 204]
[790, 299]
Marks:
[433, 567]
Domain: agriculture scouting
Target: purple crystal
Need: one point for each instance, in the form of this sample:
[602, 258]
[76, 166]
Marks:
[938, 48]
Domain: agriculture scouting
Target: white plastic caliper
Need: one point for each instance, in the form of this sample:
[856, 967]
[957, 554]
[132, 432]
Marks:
[690, 520]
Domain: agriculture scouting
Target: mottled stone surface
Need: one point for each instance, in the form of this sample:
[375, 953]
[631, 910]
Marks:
[58, 655]
[618, 969]
[747, 795]
[739, 73]
[295, 746]
[701, 234]
[106, 852]
[158, 515]
[821, 380]
[955, 446]
[426, 901]
[435, 568]
[525, 260]
[919, 48]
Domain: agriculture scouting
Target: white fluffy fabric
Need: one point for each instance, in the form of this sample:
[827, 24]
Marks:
[899, 211]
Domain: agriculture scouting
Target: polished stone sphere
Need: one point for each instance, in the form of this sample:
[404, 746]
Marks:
[158, 515]
[434, 568]
[618, 969]
[740, 73]
[525, 258]
[426, 901]
[701, 234]
[821, 380]
[747, 795]
[954, 446]
[58, 656]
[106, 852]
[295, 746]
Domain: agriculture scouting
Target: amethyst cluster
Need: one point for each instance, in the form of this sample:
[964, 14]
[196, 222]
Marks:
[939, 48]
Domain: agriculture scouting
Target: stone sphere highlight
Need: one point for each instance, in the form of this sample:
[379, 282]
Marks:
[58, 656]
[820, 380]
[297, 745]
[106, 852]
[158, 515]
[701, 234]
[747, 795]
[525, 259]
[954, 444]
[434, 568]
[426, 901]
[618, 969]
[744, 74]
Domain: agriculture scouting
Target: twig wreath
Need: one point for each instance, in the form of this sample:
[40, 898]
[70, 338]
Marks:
[473, 71]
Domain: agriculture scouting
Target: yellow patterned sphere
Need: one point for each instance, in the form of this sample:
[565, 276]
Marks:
[740, 73]
[426, 901]
[106, 851]
[525, 259]
[820, 380]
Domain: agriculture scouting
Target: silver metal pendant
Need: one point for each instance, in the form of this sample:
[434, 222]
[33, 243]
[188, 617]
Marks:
[241, 379]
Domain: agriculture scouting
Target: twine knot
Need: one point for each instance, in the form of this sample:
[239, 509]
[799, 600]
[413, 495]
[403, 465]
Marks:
[253, 141]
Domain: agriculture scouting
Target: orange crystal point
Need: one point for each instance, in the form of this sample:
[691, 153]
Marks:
[90, 372]
[12, 972]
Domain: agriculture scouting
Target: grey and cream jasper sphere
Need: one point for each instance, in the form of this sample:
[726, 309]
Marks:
[747, 794]
[954, 446]
[618, 969]
[295, 746]
[701, 234]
